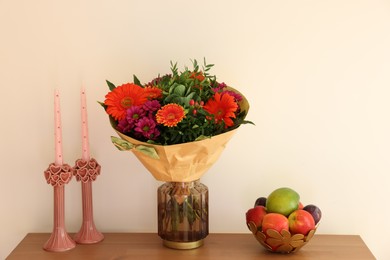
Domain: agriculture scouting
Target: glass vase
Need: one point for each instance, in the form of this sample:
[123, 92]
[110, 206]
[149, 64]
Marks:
[183, 214]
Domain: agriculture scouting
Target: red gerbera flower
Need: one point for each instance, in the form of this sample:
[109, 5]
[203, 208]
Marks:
[170, 115]
[153, 92]
[223, 107]
[123, 97]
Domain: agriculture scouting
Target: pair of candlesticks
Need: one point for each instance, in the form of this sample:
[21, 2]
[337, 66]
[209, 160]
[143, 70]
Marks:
[59, 175]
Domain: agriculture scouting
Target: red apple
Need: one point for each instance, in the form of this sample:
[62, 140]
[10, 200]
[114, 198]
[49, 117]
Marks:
[301, 222]
[300, 205]
[274, 221]
[256, 215]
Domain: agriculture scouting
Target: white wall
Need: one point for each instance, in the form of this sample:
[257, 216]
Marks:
[317, 75]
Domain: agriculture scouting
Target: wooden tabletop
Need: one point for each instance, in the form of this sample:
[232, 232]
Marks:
[147, 246]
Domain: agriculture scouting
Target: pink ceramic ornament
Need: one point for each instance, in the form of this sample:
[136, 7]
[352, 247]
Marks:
[57, 175]
[86, 170]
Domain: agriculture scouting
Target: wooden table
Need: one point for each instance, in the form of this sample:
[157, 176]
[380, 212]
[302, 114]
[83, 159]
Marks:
[147, 246]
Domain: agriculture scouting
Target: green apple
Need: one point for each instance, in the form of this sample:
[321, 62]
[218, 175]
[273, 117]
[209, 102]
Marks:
[283, 201]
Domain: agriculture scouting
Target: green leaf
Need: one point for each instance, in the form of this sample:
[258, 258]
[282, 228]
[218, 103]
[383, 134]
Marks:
[121, 144]
[150, 151]
[179, 90]
[202, 137]
[195, 65]
[174, 68]
[191, 95]
[110, 85]
[182, 101]
[247, 122]
[102, 104]
[188, 91]
[137, 81]
[124, 145]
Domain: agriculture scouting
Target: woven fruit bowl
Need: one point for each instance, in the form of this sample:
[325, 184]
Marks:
[280, 242]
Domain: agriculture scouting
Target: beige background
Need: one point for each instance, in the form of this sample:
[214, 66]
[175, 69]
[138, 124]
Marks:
[317, 75]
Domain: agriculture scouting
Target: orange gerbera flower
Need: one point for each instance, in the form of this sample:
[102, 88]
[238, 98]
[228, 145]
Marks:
[153, 92]
[170, 115]
[123, 97]
[222, 106]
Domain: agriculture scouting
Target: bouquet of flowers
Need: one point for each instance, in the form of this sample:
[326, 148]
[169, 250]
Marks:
[177, 124]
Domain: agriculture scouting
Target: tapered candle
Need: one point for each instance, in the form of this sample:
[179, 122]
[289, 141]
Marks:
[84, 126]
[58, 129]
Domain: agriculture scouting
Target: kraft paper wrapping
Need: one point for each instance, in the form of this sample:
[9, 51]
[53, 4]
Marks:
[187, 161]
[182, 162]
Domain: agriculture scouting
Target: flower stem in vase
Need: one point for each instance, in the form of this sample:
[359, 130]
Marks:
[86, 172]
[183, 214]
[59, 240]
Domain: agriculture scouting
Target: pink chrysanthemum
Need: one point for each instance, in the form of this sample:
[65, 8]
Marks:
[146, 126]
[151, 106]
[124, 126]
[134, 113]
[220, 87]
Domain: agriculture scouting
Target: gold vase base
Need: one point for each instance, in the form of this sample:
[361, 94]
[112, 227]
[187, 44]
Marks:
[183, 245]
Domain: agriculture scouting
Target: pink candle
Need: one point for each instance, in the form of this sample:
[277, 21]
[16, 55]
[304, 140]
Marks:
[84, 126]
[58, 129]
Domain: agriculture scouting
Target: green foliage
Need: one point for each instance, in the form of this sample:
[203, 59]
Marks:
[110, 85]
[136, 81]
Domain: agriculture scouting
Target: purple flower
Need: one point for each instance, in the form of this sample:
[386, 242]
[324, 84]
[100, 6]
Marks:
[134, 113]
[146, 126]
[124, 126]
[151, 105]
[155, 134]
[219, 87]
[236, 96]
[222, 85]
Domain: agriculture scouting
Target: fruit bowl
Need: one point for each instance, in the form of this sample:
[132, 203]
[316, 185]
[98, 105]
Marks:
[281, 223]
[280, 242]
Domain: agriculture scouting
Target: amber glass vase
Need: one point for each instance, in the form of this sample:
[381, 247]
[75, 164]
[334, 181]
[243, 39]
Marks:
[183, 220]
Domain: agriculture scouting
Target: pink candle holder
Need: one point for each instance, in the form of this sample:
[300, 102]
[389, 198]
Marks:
[86, 172]
[58, 176]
